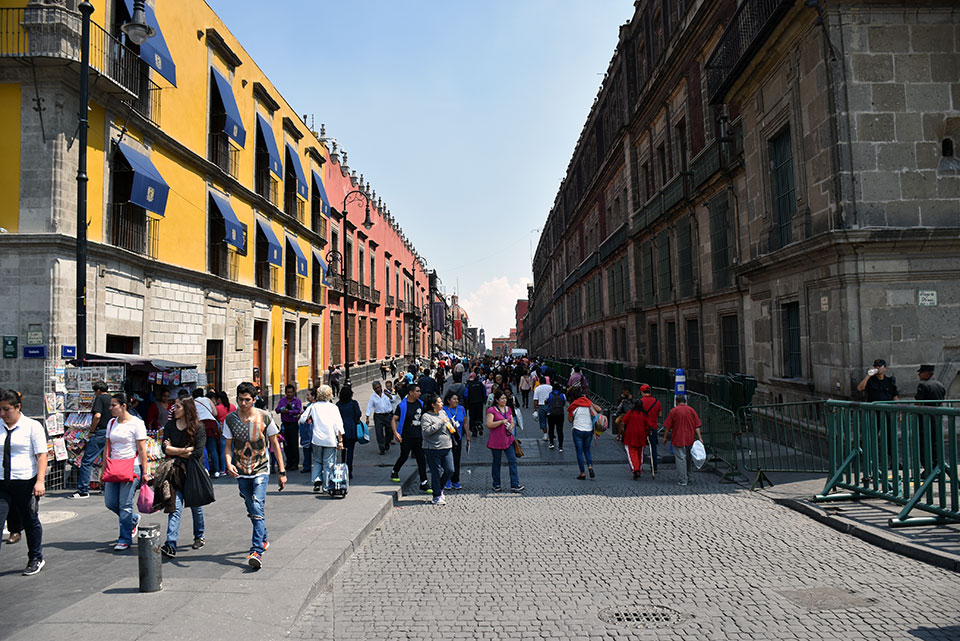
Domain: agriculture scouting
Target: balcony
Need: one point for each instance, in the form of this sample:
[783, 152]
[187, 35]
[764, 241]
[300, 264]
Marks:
[353, 288]
[390, 301]
[224, 155]
[746, 32]
[365, 292]
[374, 296]
[132, 229]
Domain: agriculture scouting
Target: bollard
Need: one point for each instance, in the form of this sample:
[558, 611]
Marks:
[148, 551]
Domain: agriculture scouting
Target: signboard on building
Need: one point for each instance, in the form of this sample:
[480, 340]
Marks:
[34, 351]
[9, 346]
[927, 298]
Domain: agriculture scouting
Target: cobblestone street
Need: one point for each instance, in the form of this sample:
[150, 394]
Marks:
[710, 561]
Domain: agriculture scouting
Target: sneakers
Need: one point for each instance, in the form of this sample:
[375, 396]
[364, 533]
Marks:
[120, 547]
[456, 486]
[168, 550]
[517, 489]
[136, 528]
[254, 560]
[425, 487]
[636, 475]
[560, 450]
[546, 438]
[582, 477]
[497, 488]
[78, 495]
[395, 478]
[34, 566]
[448, 486]
[439, 500]
[266, 545]
[318, 486]
[198, 542]
[681, 482]
[551, 447]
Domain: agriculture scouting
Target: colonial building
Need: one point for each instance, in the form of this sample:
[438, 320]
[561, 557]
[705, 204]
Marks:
[767, 187]
[211, 207]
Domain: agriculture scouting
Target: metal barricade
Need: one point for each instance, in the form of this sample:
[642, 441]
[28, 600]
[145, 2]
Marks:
[786, 437]
[904, 453]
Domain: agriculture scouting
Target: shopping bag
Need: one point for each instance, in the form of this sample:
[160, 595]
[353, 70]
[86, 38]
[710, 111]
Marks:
[698, 453]
[145, 500]
[363, 433]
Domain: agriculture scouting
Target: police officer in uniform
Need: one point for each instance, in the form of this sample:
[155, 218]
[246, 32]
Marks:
[929, 389]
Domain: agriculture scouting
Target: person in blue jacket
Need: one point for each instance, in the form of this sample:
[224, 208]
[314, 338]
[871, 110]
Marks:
[407, 432]
[458, 416]
[350, 412]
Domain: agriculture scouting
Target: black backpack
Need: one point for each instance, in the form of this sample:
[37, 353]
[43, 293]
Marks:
[475, 392]
[556, 404]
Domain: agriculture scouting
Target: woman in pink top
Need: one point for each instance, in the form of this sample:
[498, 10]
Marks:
[499, 424]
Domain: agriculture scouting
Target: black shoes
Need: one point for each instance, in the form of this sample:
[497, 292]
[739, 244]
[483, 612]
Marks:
[34, 566]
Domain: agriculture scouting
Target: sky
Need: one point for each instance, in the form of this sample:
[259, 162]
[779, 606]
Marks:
[462, 114]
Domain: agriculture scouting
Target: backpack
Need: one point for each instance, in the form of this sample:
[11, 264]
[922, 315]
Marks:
[556, 404]
[475, 392]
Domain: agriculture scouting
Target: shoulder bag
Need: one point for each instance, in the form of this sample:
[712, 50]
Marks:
[118, 470]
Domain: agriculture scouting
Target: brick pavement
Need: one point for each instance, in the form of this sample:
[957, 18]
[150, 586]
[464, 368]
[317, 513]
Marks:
[730, 563]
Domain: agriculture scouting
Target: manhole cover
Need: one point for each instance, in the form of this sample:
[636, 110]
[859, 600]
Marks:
[642, 617]
[815, 599]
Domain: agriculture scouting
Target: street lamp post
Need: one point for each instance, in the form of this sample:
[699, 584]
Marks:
[333, 256]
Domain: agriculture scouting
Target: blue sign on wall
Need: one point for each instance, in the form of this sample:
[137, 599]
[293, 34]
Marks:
[68, 351]
[34, 351]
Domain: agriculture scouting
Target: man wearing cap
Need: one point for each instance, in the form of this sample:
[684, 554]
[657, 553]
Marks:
[929, 389]
[878, 385]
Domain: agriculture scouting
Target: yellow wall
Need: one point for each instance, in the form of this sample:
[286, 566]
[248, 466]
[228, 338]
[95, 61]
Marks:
[10, 157]
[96, 159]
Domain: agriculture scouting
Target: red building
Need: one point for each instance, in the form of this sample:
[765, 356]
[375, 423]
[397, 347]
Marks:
[502, 346]
[520, 312]
[386, 284]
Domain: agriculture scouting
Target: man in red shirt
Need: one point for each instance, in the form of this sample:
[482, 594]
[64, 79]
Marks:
[684, 424]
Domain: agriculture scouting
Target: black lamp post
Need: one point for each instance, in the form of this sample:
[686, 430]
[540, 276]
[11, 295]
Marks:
[333, 256]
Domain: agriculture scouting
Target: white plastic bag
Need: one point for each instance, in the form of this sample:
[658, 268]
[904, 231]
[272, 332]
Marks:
[698, 453]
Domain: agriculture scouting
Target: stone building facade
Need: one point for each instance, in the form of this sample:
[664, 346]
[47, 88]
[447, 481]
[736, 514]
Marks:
[765, 187]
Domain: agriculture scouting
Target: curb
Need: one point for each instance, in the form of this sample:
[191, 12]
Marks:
[874, 536]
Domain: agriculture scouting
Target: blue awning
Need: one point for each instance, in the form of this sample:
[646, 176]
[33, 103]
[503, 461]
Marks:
[274, 248]
[266, 132]
[154, 51]
[234, 235]
[302, 190]
[323, 266]
[234, 124]
[149, 190]
[301, 259]
[318, 186]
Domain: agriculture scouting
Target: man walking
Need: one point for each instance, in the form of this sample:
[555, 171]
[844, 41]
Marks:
[247, 431]
[97, 440]
[930, 426]
[476, 395]
[684, 424]
[650, 408]
[407, 432]
[428, 384]
[540, 396]
[290, 408]
[379, 408]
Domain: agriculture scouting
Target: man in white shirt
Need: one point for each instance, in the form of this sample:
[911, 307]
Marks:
[540, 396]
[23, 468]
[380, 408]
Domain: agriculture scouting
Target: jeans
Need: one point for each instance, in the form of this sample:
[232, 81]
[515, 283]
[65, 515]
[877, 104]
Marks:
[91, 451]
[383, 429]
[525, 395]
[542, 417]
[414, 445]
[223, 454]
[684, 462]
[476, 418]
[119, 497]
[17, 496]
[324, 458]
[291, 445]
[346, 454]
[582, 441]
[306, 434]
[215, 458]
[173, 522]
[457, 450]
[652, 438]
[441, 469]
[511, 462]
[556, 429]
[254, 493]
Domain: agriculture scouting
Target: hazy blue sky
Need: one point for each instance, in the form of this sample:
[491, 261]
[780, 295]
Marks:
[463, 115]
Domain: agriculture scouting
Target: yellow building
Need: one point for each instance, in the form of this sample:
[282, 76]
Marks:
[206, 210]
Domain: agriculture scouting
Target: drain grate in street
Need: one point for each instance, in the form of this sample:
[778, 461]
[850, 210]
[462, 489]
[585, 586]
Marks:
[642, 617]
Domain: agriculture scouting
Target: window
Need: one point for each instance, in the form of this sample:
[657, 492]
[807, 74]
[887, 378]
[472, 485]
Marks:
[373, 339]
[130, 226]
[224, 125]
[373, 270]
[662, 164]
[649, 287]
[292, 204]
[653, 344]
[267, 168]
[217, 252]
[388, 335]
[352, 336]
[784, 198]
[663, 259]
[719, 241]
[673, 360]
[117, 344]
[265, 273]
[362, 355]
[348, 257]
[647, 182]
[293, 285]
[730, 344]
[680, 144]
[685, 256]
[792, 363]
[386, 280]
[317, 281]
[398, 347]
[361, 264]
[693, 344]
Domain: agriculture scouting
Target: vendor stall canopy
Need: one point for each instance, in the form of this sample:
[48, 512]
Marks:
[133, 362]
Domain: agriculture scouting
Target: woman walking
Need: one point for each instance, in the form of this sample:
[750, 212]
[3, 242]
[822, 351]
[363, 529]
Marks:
[581, 412]
[458, 418]
[526, 384]
[554, 410]
[499, 423]
[23, 452]
[437, 445]
[126, 456]
[327, 436]
[185, 438]
[351, 415]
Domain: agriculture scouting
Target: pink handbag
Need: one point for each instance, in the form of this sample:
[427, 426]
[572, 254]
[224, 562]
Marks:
[145, 500]
[119, 470]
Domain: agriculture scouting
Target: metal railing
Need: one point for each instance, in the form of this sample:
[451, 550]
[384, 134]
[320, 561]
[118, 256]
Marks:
[902, 453]
[787, 437]
[223, 154]
[129, 228]
[390, 301]
[147, 102]
[747, 28]
[293, 206]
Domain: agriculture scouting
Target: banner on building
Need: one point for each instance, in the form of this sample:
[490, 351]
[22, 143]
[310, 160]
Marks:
[457, 330]
[439, 317]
